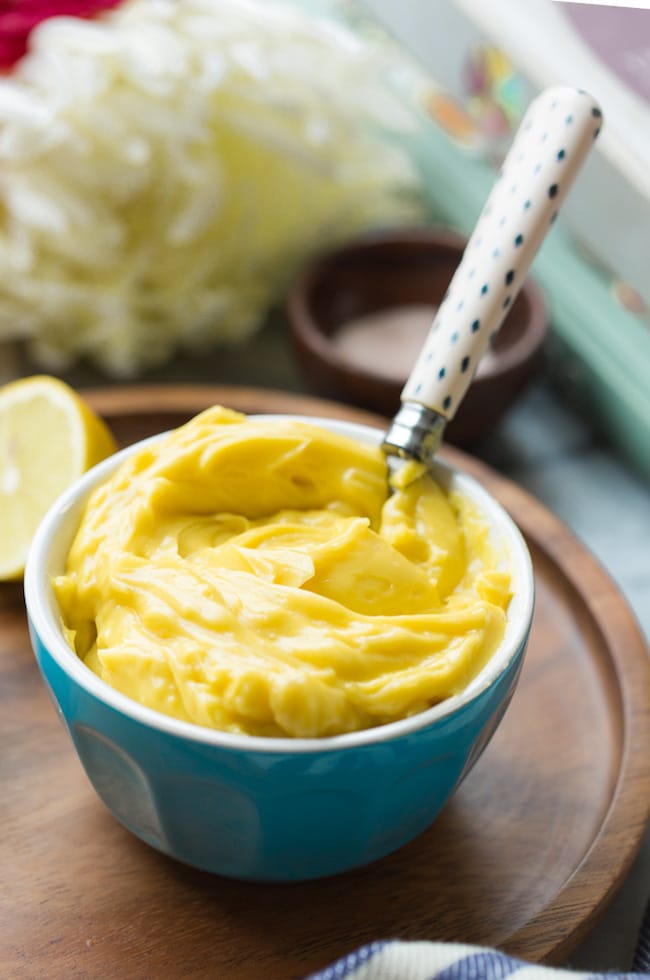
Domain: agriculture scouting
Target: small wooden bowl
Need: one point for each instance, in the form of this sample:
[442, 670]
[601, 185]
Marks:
[402, 276]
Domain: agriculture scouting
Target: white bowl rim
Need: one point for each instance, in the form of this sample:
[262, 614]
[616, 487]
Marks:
[41, 609]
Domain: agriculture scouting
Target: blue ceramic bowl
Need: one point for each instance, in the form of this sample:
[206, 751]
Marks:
[274, 809]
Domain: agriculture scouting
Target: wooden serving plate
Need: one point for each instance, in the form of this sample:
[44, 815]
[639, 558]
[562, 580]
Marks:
[524, 857]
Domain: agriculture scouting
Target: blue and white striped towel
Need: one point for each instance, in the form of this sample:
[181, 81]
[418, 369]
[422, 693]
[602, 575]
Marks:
[398, 960]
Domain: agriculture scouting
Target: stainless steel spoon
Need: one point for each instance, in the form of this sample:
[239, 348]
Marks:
[549, 148]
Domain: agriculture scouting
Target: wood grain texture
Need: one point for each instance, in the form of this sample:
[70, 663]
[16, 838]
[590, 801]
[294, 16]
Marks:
[524, 857]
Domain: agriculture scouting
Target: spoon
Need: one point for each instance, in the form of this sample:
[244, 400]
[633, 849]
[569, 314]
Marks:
[549, 148]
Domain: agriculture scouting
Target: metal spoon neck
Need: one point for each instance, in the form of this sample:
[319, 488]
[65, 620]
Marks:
[415, 432]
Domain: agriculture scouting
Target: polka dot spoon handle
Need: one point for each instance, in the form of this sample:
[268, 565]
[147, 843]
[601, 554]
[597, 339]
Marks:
[548, 150]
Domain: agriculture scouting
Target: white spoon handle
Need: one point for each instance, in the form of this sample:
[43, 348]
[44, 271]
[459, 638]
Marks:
[549, 148]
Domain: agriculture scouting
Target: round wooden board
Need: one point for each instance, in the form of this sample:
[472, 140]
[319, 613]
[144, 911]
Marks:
[523, 858]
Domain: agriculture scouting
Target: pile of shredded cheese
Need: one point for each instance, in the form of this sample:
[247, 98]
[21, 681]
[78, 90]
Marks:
[166, 167]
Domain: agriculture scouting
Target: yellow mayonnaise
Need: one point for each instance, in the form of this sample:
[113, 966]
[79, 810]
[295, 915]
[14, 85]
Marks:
[261, 577]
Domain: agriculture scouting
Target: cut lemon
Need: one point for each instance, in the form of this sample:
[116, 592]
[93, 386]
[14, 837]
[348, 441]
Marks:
[48, 437]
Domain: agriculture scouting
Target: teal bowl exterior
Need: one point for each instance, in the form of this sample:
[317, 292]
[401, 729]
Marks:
[255, 808]
[273, 815]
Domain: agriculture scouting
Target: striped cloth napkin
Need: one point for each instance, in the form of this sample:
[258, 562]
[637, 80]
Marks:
[398, 960]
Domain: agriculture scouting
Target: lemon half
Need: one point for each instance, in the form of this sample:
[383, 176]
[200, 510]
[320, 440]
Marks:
[49, 436]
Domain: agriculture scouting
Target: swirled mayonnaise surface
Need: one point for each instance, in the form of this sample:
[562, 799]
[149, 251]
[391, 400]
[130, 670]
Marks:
[262, 577]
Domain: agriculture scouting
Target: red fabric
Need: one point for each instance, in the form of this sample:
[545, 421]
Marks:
[19, 17]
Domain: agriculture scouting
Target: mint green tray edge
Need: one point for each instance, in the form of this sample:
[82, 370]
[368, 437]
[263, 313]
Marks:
[602, 351]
